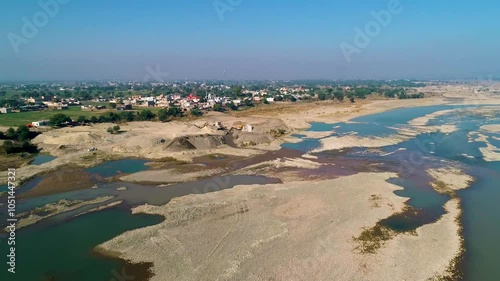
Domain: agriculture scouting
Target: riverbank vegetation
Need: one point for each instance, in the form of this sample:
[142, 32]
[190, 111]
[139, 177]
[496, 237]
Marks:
[17, 141]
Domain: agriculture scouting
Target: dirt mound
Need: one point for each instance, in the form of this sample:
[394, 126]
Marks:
[251, 139]
[69, 138]
[196, 142]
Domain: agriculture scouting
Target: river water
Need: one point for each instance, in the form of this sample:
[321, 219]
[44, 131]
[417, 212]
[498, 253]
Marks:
[60, 248]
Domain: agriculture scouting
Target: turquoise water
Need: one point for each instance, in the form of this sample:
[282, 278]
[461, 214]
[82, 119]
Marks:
[41, 159]
[305, 145]
[113, 168]
[63, 252]
[479, 202]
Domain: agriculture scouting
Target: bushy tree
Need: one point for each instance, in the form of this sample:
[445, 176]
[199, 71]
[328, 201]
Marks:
[218, 107]
[232, 106]
[196, 112]
[10, 133]
[22, 133]
[146, 115]
[59, 119]
[81, 119]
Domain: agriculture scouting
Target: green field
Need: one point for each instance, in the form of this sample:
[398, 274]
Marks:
[23, 118]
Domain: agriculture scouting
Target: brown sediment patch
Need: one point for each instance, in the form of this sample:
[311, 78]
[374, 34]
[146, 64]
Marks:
[13, 161]
[100, 208]
[218, 160]
[164, 163]
[52, 209]
[63, 180]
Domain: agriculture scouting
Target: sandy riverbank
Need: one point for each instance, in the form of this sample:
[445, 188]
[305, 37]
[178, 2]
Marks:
[292, 231]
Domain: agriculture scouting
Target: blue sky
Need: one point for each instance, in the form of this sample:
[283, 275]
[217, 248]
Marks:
[255, 39]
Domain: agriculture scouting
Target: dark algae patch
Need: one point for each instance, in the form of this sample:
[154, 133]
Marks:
[371, 239]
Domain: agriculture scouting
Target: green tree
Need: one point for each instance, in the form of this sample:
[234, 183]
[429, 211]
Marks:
[174, 111]
[196, 112]
[339, 95]
[322, 96]
[248, 102]
[81, 119]
[163, 115]
[59, 119]
[112, 105]
[232, 106]
[218, 107]
[127, 116]
[22, 133]
[146, 115]
[11, 133]
[93, 119]
[8, 147]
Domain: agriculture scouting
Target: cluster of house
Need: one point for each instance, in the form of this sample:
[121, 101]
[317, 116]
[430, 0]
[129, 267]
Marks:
[195, 101]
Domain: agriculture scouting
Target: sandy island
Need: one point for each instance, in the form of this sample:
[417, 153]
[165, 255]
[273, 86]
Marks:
[302, 230]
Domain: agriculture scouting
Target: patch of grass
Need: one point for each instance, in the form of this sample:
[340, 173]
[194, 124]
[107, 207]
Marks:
[22, 118]
[277, 133]
[14, 161]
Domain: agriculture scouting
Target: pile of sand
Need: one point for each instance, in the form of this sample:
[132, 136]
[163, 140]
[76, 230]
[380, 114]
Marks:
[75, 138]
[200, 142]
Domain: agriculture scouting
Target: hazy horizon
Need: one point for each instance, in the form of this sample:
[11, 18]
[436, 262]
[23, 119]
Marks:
[248, 40]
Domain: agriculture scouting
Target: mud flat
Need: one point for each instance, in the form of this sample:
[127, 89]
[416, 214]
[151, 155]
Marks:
[53, 209]
[170, 175]
[335, 143]
[490, 153]
[450, 179]
[292, 231]
[422, 121]
[493, 128]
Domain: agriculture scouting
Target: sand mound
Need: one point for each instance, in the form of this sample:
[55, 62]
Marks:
[250, 138]
[75, 138]
[196, 142]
